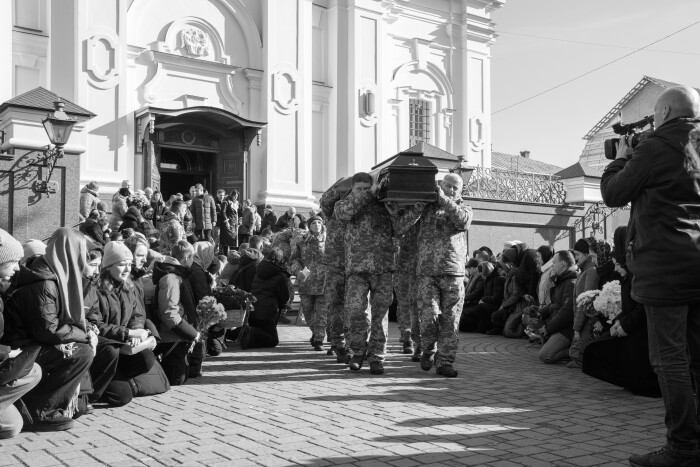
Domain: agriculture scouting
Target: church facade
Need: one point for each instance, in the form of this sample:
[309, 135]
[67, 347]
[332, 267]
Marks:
[275, 98]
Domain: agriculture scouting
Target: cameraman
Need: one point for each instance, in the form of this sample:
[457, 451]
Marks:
[663, 253]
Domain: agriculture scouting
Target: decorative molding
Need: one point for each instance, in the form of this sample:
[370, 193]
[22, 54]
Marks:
[168, 64]
[102, 78]
[254, 78]
[196, 41]
[194, 37]
[448, 114]
[392, 11]
[477, 132]
[285, 89]
[367, 104]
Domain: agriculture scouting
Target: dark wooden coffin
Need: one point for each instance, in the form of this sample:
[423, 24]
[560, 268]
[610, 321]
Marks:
[406, 178]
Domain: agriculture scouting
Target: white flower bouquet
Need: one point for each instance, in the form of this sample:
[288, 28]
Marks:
[609, 301]
[584, 303]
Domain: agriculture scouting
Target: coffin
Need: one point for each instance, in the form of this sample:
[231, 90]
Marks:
[406, 179]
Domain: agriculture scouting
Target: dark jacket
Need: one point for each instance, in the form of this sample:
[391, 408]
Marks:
[474, 290]
[513, 290]
[663, 238]
[200, 281]
[284, 222]
[116, 307]
[270, 291]
[204, 212]
[32, 310]
[93, 230]
[175, 308]
[88, 201]
[559, 315]
[525, 261]
[12, 369]
[269, 220]
[243, 277]
[493, 289]
[132, 220]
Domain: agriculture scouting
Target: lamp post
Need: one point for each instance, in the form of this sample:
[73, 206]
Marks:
[58, 127]
[463, 169]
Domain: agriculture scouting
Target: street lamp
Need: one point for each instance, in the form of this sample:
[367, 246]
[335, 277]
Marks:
[463, 169]
[58, 127]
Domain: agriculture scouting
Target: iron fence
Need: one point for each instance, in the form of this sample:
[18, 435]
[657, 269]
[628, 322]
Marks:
[515, 186]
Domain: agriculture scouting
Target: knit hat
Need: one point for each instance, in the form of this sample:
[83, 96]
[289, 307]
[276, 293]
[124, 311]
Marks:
[115, 252]
[33, 247]
[314, 218]
[10, 248]
[473, 263]
[582, 246]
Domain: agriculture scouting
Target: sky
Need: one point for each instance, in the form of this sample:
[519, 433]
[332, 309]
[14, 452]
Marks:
[552, 125]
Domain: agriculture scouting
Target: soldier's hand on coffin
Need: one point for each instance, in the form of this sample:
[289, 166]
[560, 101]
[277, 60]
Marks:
[375, 188]
[420, 206]
[392, 207]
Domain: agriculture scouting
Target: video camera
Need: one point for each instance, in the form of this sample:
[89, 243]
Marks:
[631, 134]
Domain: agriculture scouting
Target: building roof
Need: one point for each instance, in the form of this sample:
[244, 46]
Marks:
[502, 161]
[432, 152]
[615, 111]
[43, 99]
[580, 170]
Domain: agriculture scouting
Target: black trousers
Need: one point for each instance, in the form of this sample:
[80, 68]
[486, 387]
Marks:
[263, 334]
[174, 361]
[60, 378]
[203, 235]
[119, 391]
[103, 369]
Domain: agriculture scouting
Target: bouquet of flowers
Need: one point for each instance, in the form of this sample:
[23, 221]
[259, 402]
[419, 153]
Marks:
[584, 303]
[232, 297]
[209, 313]
[609, 301]
[533, 322]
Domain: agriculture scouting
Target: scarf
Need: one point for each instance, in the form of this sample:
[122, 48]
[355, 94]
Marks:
[203, 254]
[66, 254]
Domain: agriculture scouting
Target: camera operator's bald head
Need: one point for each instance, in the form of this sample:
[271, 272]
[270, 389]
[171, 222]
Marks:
[680, 101]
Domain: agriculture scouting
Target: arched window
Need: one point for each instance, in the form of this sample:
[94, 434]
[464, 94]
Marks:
[419, 121]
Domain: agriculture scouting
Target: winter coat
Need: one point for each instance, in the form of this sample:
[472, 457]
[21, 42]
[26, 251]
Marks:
[270, 291]
[92, 229]
[244, 275]
[407, 259]
[188, 223]
[587, 280]
[474, 290]
[132, 220]
[171, 231]
[285, 221]
[88, 201]
[139, 319]
[257, 222]
[116, 307]
[175, 307]
[442, 237]
[494, 285]
[204, 212]
[513, 291]
[158, 210]
[559, 314]
[268, 220]
[663, 234]
[200, 282]
[119, 207]
[228, 222]
[247, 221]
[308, 253]
[11, 369]
[335, 230]
[369, 245]
[32, 310]
[545, 284]
[525, 261]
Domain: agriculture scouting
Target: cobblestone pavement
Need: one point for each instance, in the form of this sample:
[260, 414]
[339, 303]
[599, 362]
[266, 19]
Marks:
[294, 406]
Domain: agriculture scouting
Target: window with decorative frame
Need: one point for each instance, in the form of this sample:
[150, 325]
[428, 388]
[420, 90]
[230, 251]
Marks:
[419, 121]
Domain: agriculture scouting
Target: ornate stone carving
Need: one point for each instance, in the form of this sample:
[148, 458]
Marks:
[477, 130]
[102, 58]
[195, 41]
[285, 90]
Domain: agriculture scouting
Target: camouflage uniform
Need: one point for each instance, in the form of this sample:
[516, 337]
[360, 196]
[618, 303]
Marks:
[442, 252]
[369, 264]
[407, 312]
[308, 253]
[334, 261]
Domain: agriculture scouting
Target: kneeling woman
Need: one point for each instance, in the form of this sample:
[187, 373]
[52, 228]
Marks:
[121, 319]
[271, 292]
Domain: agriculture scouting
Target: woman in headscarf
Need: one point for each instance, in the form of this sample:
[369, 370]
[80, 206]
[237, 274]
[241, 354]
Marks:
[46, 309]
[622, 356]
[201, 282]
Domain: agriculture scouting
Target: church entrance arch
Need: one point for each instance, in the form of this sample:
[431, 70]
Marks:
[182, 147]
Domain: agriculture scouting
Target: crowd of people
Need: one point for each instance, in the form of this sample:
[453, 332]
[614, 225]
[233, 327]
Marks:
[109, 312]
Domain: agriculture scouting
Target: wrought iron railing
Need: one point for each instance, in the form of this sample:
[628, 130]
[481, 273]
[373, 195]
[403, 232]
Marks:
[515, 186]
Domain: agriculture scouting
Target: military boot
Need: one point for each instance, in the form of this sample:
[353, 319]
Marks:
[446, 370]
[376, 368]
[356, 362]
[426, 361]
[342, 355]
